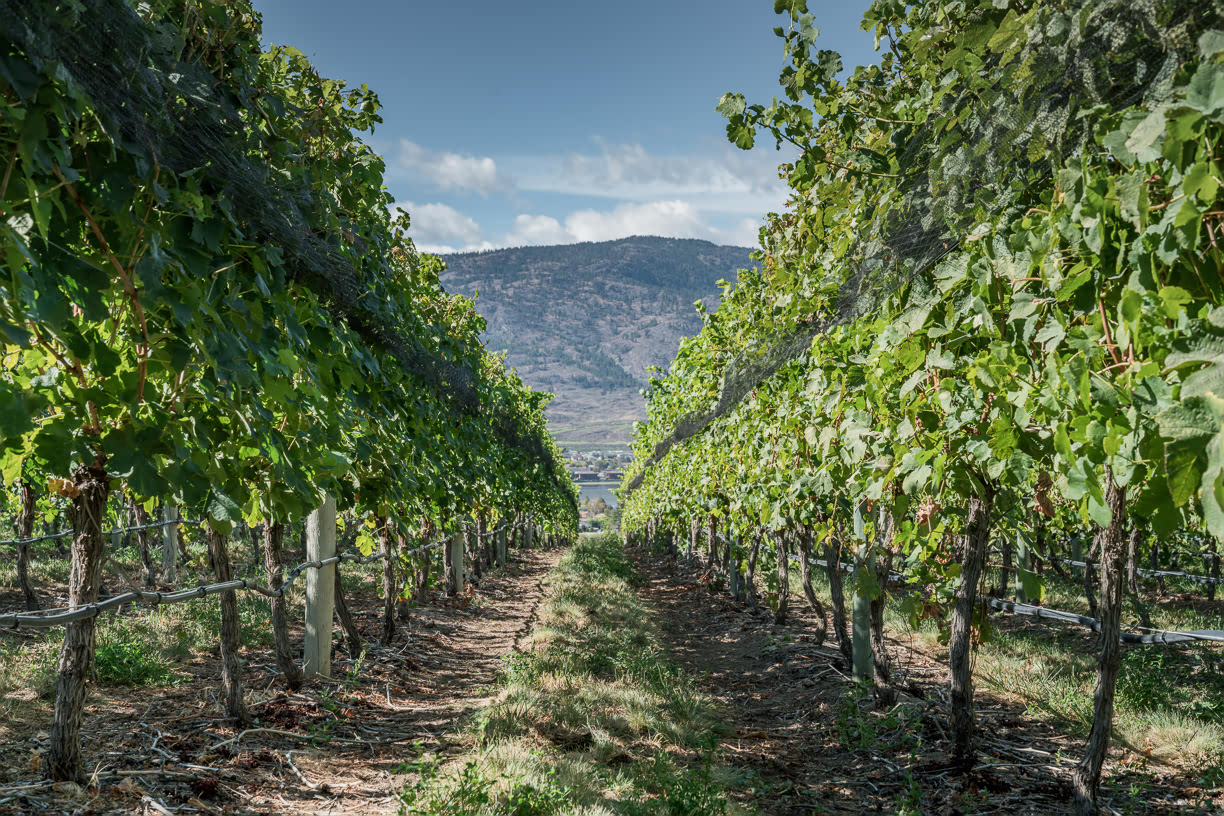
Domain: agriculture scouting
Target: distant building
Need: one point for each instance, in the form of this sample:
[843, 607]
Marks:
[610, 475]
[585, 476]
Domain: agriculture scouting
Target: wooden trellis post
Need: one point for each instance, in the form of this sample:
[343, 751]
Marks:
[170, 544]
[1022, 558]
[320, 590]
[733, 574]
[861, 622]
[456, 555]
[501, 543]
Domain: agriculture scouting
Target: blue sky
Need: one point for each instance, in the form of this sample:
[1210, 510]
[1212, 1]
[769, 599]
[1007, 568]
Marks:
[541, 121]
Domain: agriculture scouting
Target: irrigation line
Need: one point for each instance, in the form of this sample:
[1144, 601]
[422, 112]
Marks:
[1041, 612]
[51, 537]
[1162, 636]
[1200, 579]
[1157, 636]
[93, 610]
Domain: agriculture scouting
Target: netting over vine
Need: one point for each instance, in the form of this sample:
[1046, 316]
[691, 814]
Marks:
[154, 94]
[1077, 56]
[159, 103]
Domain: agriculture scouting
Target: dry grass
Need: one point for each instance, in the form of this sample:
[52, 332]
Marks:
[591, 715]
[1170, 700]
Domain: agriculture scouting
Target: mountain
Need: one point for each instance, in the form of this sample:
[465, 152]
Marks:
[585, 321]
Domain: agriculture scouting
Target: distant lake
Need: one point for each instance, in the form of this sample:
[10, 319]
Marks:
[599, 490]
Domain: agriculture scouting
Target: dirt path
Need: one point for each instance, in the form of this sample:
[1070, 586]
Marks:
[809, 742]
[346, 738]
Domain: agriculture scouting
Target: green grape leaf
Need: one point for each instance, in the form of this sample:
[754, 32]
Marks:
[1205, 93]
[1034, 586]
[1145, 138]
[1210, 44]
[15, 414]
[1003, 437]
[222, 508]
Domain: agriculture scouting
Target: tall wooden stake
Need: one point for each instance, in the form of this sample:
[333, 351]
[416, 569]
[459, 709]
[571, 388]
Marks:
[391, 587]
[170, 545]
[25, 529]
[320, 590]
[1112, 550]
[274, 537]
[1022, 556]
[860, 622]
[456, 574]
[231, 670]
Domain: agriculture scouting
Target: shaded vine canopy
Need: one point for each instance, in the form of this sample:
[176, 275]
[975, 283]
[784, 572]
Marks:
[208, 289]
[955, 154]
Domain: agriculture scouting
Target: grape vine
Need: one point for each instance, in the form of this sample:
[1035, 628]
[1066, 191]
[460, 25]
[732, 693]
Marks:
[207, 305]
[1054, 358]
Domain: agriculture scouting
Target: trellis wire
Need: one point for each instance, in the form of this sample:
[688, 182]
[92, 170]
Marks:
[1189, 576]
[495, 530]
[67, 533]
[93, 610]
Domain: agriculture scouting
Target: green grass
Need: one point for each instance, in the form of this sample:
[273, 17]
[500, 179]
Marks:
[591, 717]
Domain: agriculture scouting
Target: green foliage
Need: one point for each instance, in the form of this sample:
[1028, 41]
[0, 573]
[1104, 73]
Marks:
[1068, 337]
[471, 793]
[525, 799]
[469, 796]
[997, 283]
[121, 662]
[689, 790]
[243, 327]
[858, 729]
[1144, 682]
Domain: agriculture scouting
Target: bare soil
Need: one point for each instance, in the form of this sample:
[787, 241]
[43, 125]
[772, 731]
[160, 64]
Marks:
[808, 741]
[334, 746]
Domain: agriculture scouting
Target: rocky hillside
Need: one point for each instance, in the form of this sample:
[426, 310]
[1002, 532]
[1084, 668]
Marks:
[586, 320]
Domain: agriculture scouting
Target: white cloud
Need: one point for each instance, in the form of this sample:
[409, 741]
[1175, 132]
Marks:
[745, 233]
[673, 219]
[670, 219]
[733, 181]
[452, 171]
[538, 229]
[440, 228]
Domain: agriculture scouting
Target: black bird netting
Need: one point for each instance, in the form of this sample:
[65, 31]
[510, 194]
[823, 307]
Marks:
[1078, 55]
[158, 101]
